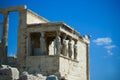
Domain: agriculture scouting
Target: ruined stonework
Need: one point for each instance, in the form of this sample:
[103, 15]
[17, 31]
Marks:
[8, 73]
[47, 48]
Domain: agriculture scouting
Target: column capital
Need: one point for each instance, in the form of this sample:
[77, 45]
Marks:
[64, 36]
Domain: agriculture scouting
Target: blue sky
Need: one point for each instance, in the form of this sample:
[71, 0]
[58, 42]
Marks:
[99, 18]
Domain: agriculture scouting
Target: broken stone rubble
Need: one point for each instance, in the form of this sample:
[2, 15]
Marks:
[8, 73]
[26, 76]
[12, 73]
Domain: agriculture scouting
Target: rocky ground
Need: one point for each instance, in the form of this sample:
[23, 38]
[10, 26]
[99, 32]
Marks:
[12, 73]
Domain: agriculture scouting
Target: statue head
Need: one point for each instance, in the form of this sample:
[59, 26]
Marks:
[64, 36]
[58, 33]
[70, 38]
[76, 41]
[42, 34]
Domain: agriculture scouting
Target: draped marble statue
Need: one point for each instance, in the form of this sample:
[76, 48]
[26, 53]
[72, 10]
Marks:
[43, 48]
[75, 50]
[70, 50]
[64, 46]
[57, 44]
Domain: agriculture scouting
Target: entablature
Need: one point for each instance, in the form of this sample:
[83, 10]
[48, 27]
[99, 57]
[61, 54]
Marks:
[56, 26]
[14, 8]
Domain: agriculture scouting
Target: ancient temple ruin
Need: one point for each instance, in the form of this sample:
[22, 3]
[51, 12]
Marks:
[48, 48]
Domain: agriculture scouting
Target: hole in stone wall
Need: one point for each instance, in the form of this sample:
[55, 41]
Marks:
[13, 33]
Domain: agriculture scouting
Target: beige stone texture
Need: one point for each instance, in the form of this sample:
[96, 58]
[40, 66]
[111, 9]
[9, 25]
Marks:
[75, 69]
[33, 18]
[45, 65]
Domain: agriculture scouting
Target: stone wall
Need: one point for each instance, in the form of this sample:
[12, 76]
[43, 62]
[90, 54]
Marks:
[45, 65]
[82, 58]
[74, 69]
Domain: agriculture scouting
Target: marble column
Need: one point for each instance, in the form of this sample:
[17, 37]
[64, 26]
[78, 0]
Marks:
[43, 48]
[5, 37]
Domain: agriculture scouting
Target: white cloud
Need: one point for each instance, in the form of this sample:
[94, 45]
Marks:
[109, 52]
[110, 46]
[106, 43]
[102, 41]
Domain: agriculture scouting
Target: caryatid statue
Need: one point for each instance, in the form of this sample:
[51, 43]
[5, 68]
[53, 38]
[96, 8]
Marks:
[58, 43]
[70, 50]
[75, 50]
[43, 48]
[64, 46]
